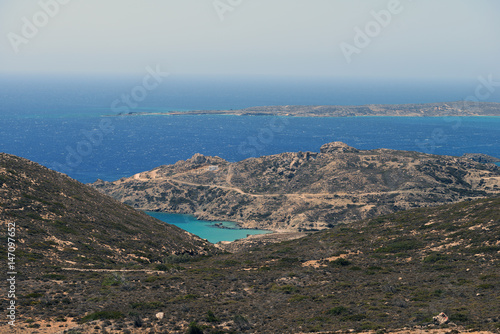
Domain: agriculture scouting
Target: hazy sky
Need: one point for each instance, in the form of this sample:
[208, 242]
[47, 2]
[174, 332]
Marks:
[422, 38]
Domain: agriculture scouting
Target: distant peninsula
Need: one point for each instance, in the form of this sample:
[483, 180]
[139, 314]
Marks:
[459, 108]
[306, 191]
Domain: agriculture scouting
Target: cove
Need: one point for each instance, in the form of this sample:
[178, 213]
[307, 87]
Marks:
[206, 229]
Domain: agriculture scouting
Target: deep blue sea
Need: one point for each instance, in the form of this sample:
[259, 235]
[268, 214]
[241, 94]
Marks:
[78, 146]
[61, 123]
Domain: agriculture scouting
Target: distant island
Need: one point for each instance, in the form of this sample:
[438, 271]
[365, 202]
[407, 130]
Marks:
[459, 108]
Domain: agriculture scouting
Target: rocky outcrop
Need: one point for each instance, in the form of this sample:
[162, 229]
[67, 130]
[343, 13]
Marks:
[337, 147]
[483, 158]
[306, 190]
[440, 319]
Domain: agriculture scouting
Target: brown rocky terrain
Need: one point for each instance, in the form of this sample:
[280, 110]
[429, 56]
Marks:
[304, 191]
[258, 240]
[379, 275]
[87, 264]
[484, 158]
[60, 222]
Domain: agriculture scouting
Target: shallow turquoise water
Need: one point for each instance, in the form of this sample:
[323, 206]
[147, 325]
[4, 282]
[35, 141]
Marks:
[205, 229]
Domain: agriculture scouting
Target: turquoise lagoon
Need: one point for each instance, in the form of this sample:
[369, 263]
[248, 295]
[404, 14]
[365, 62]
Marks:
[206, 229]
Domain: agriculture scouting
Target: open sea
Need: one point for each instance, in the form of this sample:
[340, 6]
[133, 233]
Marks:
[61, 123]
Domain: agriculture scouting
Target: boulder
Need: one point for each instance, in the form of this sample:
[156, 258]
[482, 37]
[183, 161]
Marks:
[198, 159]
[440, 319]
[337, 147]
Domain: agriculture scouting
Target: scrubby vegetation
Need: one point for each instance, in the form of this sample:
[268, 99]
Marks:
[393, 271]
[80, 227]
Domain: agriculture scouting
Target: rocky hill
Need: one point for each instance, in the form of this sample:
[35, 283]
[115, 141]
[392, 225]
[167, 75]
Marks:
[306, 190]
[60, 222]
[391, 272]
[481, 157]
[90, 264]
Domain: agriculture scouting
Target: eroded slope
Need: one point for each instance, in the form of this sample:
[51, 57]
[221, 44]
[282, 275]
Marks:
[306, 190]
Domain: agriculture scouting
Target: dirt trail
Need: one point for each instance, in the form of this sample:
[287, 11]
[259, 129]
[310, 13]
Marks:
[116, 270]
[152, 177]
[229, 175]
[300, 195]
[212, 186]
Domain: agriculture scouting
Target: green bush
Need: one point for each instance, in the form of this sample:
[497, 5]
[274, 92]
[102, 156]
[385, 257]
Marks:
[338, 310]
[58, 277]
[113, 280]
[34, 295]
[287, 289]
[211, 317]
[151, 279]
[459, 317]
[162, 267]
[167, 267]
[173, 259]
[63, 227]
[354, 317]
[297, 298]
[147, 305]
[194, 329]
[241, 322]
[435, 258]
[340, 262]
[399, 245]
[426, 295]
[103, 315]
[34, 216]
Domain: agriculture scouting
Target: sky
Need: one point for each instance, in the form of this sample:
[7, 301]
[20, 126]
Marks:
[446, 39]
